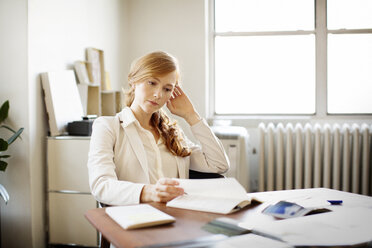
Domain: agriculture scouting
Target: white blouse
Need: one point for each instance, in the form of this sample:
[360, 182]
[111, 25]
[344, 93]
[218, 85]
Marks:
[161, 162]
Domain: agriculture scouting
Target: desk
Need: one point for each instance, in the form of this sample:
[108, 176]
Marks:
[187, 226]
[188, 223]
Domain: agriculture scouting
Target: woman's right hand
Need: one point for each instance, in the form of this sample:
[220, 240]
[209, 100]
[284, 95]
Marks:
[164, 190]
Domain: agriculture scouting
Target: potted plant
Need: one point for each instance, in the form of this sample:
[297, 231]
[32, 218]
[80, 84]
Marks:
[4, 145]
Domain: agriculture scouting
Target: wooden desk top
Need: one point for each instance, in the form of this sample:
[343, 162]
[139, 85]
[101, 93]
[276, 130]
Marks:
[187, 226]
[189, 223]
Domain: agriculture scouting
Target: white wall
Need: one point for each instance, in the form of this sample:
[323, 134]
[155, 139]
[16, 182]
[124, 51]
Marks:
[39, 36]
[59, 33]
[178, 27]
[15, 217]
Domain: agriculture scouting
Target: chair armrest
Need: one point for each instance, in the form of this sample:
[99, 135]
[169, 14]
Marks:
[203, 175]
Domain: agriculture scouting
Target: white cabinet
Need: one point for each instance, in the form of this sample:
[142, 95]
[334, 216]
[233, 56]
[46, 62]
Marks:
[235, 141]
[68, 190]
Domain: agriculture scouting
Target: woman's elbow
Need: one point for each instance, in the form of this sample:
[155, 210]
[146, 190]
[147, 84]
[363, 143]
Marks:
[97, 189]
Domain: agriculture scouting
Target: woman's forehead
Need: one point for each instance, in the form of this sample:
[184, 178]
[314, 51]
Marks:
[169, 78]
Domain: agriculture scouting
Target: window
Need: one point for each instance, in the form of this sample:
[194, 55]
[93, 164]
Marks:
[270, 58]
[349, 56]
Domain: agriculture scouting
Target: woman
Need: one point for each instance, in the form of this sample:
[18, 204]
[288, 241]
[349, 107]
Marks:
[134, 155]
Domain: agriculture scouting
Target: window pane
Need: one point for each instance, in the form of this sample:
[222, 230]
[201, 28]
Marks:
[264, 15]
[350, 73]
[349, 14]
[265, 74]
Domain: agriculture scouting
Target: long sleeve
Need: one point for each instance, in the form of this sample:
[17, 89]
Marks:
[210, 156]
[103, 180]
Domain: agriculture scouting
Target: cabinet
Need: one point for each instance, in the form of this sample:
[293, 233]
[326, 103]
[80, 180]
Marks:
[235, 141]
[68, 193]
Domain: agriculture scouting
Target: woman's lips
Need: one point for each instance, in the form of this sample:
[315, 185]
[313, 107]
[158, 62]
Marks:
[153, 103]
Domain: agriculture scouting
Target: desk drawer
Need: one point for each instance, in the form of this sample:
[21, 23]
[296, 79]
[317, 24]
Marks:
[67, 165]
[67, 224]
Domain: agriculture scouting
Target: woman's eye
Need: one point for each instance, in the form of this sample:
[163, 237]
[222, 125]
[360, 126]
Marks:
[151, 83]
[168, 90]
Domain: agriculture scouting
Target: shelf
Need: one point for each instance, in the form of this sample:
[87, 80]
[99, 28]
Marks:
[111, 102]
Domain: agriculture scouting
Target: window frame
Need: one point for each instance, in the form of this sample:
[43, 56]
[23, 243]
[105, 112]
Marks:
[321, 35]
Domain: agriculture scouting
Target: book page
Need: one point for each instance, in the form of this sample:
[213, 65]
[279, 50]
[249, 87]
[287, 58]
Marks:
[207, 204]
[223, 195]
[220, 187]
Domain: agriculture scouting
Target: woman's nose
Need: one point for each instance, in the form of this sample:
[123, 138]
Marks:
[157, 94]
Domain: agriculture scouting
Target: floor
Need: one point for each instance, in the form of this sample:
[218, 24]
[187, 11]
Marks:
[70, 246]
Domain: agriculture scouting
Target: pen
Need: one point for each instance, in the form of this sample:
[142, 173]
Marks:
[335, 202]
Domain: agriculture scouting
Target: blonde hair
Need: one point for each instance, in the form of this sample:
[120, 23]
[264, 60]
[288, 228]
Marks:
[154, 65]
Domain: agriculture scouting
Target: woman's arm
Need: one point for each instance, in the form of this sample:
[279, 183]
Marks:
[103, 180]
[211, 156]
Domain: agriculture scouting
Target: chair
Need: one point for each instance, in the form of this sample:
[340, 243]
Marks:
[203, 175]
[104, 243]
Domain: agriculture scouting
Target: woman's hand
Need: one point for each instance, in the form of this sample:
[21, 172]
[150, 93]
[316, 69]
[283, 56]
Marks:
[164, 190]
[179, 104]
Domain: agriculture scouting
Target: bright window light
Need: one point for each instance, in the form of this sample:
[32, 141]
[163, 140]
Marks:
[265, 74]
[263, 15]
[349, 14]
[350, 73]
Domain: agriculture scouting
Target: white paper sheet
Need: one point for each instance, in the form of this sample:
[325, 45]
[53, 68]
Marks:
[314, 197]
[250, 240]
[347, 226]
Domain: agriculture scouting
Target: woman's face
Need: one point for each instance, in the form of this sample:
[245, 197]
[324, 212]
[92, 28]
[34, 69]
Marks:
[151, 94]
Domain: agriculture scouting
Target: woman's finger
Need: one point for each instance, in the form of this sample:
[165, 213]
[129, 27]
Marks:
[170, 189]
[161, 197]
[178, 90]
[165, 196]
[168, 181]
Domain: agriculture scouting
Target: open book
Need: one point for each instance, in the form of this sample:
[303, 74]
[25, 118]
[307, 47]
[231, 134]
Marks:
[137, 216]
[222, 195]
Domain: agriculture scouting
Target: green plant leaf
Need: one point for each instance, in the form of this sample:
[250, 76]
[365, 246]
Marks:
[15, 136]
[4, 156]
[4, 194]
[3, 145]
[3, 165]
[9, 128]
[4, 109]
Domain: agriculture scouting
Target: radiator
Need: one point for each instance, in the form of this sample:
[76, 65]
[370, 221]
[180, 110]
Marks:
[311, 156]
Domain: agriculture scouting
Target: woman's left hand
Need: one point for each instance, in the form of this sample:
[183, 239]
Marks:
[179, 104]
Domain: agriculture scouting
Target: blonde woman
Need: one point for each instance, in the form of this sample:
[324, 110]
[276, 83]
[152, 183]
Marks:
[134, 155]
